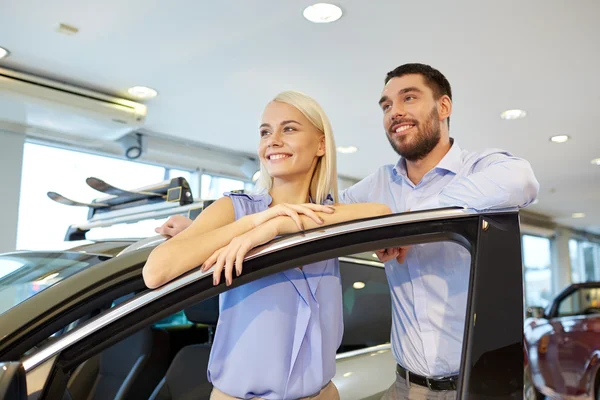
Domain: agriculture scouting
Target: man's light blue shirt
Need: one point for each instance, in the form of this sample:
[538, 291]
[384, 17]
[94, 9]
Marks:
[429, 290]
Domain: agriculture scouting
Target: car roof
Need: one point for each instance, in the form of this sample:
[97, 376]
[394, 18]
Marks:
[110, 247]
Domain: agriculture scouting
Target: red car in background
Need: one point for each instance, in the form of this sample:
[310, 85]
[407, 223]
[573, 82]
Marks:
[563, 344]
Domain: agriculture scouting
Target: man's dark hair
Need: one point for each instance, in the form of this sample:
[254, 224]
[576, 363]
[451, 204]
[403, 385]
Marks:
[434, 79]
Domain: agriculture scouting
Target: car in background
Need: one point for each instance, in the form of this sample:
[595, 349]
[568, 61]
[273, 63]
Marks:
[563, 342]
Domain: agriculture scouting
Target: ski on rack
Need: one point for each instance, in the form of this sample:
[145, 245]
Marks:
[59, 198]
[101, 186]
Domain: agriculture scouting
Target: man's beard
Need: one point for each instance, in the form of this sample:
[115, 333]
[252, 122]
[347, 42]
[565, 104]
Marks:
[422, 143]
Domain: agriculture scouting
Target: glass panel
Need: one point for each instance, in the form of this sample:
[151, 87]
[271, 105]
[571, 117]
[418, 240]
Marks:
[582, 302]
[367, 306]
[43, 222]
[179, 173]
[34, 272]
[537, 271]
[177, 319]
[213, 187]
[576, 273]
[585, 260]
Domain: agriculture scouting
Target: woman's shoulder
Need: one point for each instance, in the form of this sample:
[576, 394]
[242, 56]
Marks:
[251, 197]
[248, 203]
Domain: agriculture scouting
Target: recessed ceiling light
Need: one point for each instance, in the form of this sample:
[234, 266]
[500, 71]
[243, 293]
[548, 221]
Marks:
[347, 149]
[358, 285]
[67, 29]
[3, 53]
[513, 114]
[578, 215]
[142, 92]
[559, 138]
[596, 161]
[321, 13]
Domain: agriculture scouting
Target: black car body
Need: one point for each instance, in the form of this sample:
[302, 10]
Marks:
[67, 330]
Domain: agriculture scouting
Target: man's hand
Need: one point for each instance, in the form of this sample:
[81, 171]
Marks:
[174, 225]
[399, 253]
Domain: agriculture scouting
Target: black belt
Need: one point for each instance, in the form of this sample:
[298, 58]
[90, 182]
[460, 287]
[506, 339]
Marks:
[437, 384]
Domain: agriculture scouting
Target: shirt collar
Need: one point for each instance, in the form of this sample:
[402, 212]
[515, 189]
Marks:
[451, 161]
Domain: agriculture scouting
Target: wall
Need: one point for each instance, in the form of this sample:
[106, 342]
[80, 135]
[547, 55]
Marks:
[11, 160]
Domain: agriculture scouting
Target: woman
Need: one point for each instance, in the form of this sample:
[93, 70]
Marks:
[277, 336]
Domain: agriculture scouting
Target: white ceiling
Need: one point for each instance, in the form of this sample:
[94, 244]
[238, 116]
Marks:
[217, 63]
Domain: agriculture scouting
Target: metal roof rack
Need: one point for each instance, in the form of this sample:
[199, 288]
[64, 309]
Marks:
[164, 199]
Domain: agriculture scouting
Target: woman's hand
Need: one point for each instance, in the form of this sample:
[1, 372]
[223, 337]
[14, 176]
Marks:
[232, 255]
[174, 225]
[293, 211]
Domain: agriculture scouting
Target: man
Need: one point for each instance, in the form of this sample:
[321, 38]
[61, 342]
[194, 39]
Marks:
[429, 283]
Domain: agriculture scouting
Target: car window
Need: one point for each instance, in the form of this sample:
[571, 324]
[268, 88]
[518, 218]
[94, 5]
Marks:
[177, 319]
[367, 304]
[584, 301]
[32, 272]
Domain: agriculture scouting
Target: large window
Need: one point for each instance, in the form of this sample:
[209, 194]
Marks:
[213, 187]
[585, 261]
[537, 270]
[43, 222]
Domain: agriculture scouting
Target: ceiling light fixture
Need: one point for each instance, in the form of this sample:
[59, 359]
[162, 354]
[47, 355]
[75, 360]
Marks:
[3, 52]
[358, 285]
[596, 161]
[322, 13]
[513, 114]
[347, 149]
[142, 92]
[578, 215]
[559, 138]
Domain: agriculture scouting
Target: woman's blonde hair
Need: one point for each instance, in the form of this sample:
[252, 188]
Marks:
[324, 180]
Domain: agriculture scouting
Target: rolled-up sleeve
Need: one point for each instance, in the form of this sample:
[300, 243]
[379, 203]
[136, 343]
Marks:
[498, 181]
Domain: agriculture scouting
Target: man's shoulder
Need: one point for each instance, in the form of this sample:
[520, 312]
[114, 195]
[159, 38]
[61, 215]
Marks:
[362, 190]
[382, 171]
[387, 169]
[469, 158]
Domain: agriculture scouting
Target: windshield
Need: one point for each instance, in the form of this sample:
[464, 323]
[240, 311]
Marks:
[24, 274]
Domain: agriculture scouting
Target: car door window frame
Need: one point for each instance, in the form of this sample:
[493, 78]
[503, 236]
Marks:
[493, 240]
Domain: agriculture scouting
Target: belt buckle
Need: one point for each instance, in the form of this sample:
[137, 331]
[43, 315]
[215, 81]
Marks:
[429, 385]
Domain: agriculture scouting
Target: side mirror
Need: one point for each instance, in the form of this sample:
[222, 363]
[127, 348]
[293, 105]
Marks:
[13, 384]
[535, 312]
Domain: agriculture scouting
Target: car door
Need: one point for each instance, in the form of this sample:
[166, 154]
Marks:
[492, 353]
